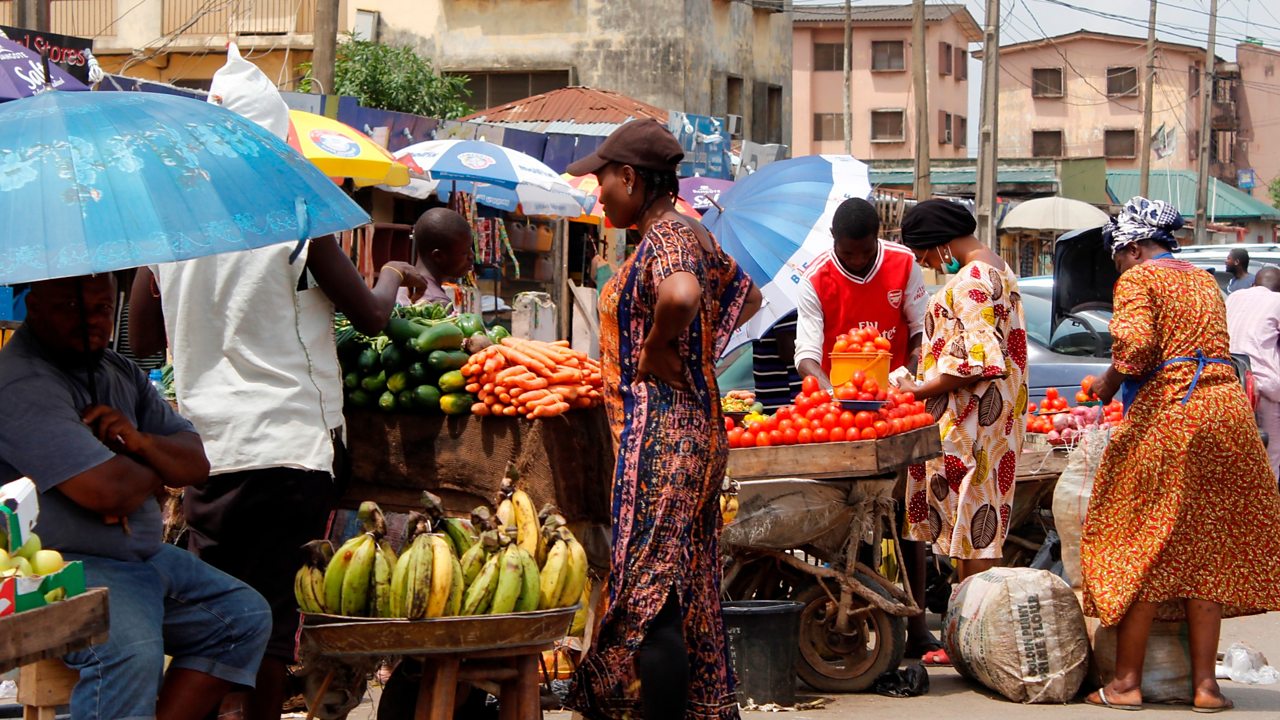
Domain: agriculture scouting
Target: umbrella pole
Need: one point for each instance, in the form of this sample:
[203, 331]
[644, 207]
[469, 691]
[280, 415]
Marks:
[84, 336]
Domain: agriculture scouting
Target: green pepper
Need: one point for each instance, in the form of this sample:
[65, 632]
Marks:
[497, 332]
[470, 324]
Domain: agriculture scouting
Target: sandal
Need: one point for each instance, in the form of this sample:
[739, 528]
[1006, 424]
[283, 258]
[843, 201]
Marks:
[1103, 702]
[1227, 705]
[919, 650]
[936, 658]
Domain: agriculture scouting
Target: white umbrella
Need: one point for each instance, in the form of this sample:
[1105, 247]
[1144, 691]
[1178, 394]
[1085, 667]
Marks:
[1053, 213]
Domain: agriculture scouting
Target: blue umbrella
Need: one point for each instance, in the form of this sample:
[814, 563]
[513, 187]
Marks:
[22, 73]
[775, 221]
[102, 181]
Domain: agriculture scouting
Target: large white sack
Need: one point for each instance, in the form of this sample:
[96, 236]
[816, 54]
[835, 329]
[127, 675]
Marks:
[1019, 632]
[1071, 498]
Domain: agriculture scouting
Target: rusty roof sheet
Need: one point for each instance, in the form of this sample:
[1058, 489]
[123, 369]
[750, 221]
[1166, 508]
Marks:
[579, 105]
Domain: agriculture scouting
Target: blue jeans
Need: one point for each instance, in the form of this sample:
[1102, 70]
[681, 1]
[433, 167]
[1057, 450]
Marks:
[170, 604]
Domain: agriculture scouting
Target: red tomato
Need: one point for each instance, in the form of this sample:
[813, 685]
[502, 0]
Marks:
[847, 419]
[863, 419]
[882, 428]
[830, 420]
[800, 423]
[857, 378]
[729, 424]
[747, 439]
[802, 405]
[1051, 393]
[880, 395]
[771, 422]
[790, 437]
[821, 435]
[735, 437]
[814, 416]
[775, 437]
[873, 333]
[896, 426]
[841, 345]
[868, 434]
[871, 386]
[804, 437]
[906, 398]
[785, 425]
[1082, 397]
[810, 385]
[859, 336]
[882, 344]
[784, 413]
[756, 427]
[837, 434]
[1031, 407]
[763, 440]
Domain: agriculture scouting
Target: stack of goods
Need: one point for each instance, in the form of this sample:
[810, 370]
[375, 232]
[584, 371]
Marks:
[1063, 423]
[531, 378]
[503, 560]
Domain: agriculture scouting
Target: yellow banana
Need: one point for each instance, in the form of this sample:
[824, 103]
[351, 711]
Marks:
[336, 572]
[383, 565]
[471, 563]
[304, 592]
[418, 589]
[551, 583]
[461, 533]
[529, 579]
[454, 605]
[506, 514]
[509, 582]
[479, 596]
[400, 582]
[355, 583]
[441, 575]
[579, 625]
[575, 571]
[526, 518]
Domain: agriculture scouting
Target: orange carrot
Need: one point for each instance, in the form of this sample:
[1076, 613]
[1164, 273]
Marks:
[511, 372]
[509, 411]
[582, 402]
[550, 410]
[529, 396]
[480, 409]
[564, 375]
[519, 357]
[532, 350]
[472, 388]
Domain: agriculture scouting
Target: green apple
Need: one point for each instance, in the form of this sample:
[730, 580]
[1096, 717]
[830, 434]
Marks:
[24, 567]
[30, 547]
[47, 562]
[5, 562]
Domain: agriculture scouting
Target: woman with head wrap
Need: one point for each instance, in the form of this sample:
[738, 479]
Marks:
[973, 380]
[1184, 521]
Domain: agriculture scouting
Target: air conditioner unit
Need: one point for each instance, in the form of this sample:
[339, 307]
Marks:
[733, 125]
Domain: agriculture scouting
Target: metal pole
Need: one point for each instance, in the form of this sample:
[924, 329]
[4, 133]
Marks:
[326, 46]
[1148, 100]
[919, 66]
[848, 77]
[1206, 127]
[989, 152]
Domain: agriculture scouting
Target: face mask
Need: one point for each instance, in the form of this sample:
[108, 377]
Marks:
[950, 267]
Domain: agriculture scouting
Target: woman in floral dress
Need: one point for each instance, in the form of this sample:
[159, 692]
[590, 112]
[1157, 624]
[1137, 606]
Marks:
[973, 380]
[1184, 521]
[665, 317]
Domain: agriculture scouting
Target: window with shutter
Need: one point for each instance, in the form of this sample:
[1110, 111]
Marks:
[1046, 82]
[945, 58]
[1046, 143]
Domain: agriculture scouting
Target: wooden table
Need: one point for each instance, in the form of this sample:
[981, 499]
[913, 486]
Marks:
[829, 461]
[54, 630]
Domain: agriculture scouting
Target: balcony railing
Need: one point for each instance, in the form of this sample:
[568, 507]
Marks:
[8, 12]
[82, 18]
[238, 17]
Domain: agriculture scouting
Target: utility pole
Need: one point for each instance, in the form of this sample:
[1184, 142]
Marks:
[1206, 127]
[1148, 100]
[33, 15]
[919, 66]
[326, 46]
[848, 77]
[987, 141]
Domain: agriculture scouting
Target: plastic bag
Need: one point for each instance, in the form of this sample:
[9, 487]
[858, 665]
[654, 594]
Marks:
[785, 513]
[1243, 664]
[241, 87]
[910, 681]
[1071, 497]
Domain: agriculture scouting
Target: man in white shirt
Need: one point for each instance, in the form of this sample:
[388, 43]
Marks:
[1253, 319]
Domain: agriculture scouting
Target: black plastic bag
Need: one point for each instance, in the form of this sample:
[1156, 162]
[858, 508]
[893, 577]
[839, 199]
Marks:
[910, 681]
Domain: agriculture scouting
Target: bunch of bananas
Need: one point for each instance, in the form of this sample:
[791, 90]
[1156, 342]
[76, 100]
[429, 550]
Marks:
[519, 561]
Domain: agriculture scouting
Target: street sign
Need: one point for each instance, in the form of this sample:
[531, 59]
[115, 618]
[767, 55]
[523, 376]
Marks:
[1246, 179]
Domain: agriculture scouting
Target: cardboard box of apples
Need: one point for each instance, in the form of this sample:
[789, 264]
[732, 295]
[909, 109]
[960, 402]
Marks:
[30, 576]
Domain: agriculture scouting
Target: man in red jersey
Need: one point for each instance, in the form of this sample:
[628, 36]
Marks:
[865, 282]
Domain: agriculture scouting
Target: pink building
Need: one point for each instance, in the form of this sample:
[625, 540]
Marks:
[883, 95]
[1259, 108]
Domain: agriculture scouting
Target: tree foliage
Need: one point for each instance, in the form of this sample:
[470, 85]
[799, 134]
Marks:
[1274, 189]
[391, 77]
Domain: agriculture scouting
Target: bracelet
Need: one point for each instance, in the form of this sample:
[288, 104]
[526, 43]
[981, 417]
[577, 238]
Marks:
[394, 270]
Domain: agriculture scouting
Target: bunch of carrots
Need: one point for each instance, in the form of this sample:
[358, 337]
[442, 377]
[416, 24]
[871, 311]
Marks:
[531, 378]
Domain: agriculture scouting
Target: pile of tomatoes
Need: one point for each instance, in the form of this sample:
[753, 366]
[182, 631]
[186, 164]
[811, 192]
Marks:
[1053, 402]
[863, 340]
[1056, 418]
[815, 417]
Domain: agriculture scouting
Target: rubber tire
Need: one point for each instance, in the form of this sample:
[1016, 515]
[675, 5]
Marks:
[888, 656]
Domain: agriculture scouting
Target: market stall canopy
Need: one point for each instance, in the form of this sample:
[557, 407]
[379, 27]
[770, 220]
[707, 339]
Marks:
[778, 219]
[22, 73]
[589, 185]
[703, 192]
[341, 151]
[498, 177]
[102, 181]
[1053, 213]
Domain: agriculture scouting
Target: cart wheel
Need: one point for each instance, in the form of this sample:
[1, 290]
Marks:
[831, 662]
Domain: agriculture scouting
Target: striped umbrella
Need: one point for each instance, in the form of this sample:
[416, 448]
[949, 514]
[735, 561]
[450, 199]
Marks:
[589, 186]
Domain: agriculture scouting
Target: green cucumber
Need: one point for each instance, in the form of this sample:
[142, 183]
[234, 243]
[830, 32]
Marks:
[402, 332]
[419, 374]
[444, 336]
[387, 402]
[404, 400]
[398, 382]
[391, 357]
[375, 383]
[360, 398]
[456, 403]
[368, 361]
[351, 381]
[442, 361]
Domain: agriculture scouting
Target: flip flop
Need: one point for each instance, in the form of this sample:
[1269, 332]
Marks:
[1103, 702]
[1220, 708]
[936, 658]
[918, 651]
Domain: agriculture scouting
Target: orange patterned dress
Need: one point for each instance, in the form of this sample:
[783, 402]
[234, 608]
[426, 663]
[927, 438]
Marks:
[961, 502]
[1184, 504]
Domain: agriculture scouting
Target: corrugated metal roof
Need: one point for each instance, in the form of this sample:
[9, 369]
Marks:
[1179, 188]
[814, 14]
[966, 176]
[579, 105]
[560, 128]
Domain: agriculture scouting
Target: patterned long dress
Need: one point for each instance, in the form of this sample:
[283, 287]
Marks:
[672, 452]
[1184, 503]
[973, 327]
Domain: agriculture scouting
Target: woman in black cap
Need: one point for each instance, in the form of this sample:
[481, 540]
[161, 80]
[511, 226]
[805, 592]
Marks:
[665, 318]
[973, 380]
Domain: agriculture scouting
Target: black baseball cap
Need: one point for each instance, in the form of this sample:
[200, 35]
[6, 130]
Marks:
[639, 143]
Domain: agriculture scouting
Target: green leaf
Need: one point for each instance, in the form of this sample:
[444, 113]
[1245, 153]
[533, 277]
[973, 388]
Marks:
[393, 77]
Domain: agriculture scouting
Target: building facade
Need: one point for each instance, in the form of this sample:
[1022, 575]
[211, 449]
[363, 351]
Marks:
[883, 95]
[1259, 108]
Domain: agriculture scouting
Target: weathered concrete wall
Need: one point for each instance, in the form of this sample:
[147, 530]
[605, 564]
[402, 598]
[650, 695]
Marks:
[1259, 115]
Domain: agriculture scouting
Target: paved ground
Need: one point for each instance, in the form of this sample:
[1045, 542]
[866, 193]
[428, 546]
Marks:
[952, 697]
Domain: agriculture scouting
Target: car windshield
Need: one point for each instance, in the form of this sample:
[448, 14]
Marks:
[1085, 334]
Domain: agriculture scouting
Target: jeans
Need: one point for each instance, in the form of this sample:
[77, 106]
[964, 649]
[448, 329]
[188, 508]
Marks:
[169, 604]
[1269, 422]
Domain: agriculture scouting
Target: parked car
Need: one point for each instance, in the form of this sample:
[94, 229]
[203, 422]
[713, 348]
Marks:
[1214, 258]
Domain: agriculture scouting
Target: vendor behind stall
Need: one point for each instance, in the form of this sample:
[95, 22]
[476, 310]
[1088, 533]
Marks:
[862, 282]
[442, 243]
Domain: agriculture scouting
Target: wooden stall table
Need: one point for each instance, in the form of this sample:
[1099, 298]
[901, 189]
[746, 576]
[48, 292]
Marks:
[35, 640]
[498, 649]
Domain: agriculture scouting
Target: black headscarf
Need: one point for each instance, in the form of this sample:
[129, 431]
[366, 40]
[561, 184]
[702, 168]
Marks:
[936, 222]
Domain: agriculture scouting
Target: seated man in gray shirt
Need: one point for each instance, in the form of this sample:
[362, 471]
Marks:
[99, 469]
